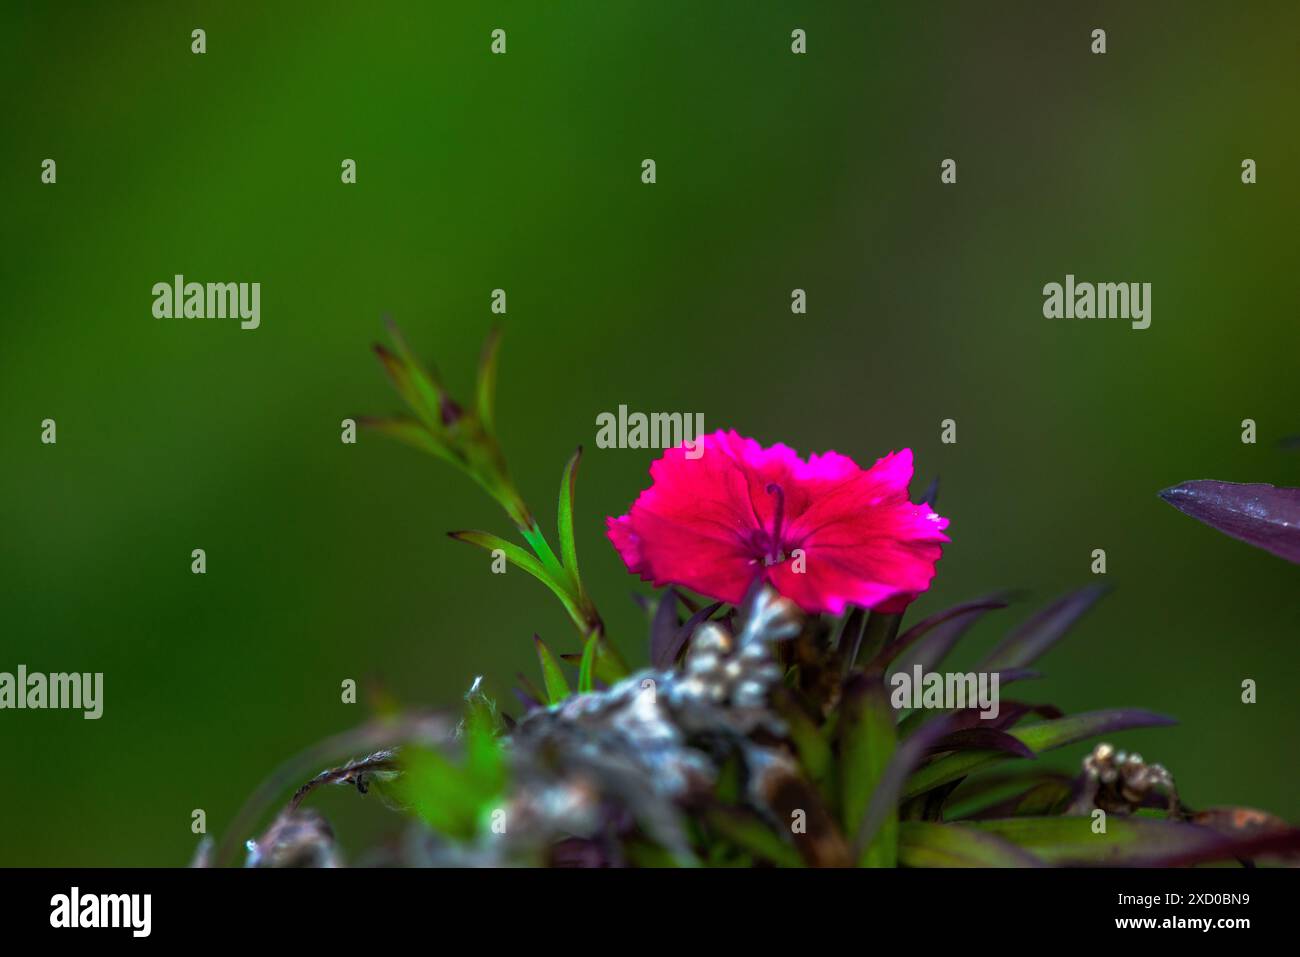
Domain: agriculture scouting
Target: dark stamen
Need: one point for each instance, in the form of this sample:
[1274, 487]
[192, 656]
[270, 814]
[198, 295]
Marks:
[779, 517]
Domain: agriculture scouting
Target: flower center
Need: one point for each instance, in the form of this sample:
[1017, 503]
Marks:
[774, 554]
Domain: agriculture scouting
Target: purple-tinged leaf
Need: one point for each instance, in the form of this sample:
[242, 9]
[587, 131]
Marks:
[528, 693]
[1131, 841]
[1045, 797]
[1039, 737]
[663, 630]
[975, 795]
[1009, 712]
[1261, 515]
[685, 632]
[884, 798]
[982, 739]
[1034, 637]
[944, 630]
[931, 494]
[927, 844]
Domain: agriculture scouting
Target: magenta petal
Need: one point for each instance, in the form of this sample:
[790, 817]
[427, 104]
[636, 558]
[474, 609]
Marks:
[825, 532]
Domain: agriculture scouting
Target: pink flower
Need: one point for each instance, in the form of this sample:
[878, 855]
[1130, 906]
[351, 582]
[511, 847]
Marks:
[825, 533]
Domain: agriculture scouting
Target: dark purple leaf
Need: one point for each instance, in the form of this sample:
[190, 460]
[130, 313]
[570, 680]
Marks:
[1035, 636]
[981, 739]
[931, 495]
[663, 631]
[1260, 515]
[1040, 737]
[1009, 712]
[684, 633]
[906, 758]
[958, 618]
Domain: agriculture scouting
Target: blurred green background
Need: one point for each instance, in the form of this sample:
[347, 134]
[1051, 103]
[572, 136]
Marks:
[775, 171]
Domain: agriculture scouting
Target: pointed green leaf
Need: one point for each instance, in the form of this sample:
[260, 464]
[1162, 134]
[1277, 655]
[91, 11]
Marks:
[533, 535]
[521, 559]
[867, 741]
[425, 385]
[608, 667]
[746, 831]
[411, 432]
[810, 742]
[585, 682]
[568, 547]
[557, 686]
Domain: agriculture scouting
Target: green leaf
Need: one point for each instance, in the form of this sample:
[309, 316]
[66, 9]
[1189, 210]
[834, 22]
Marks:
[867, 741]
[521, 559]
[557, 686]
[484, 762]
[441, 793]
[568, 547]
[585, 683]
[1126, 841]
[414, 385]
[926, 844]
[409, 431]
[749, 833]
[533, 535]
[1040, 737]
[810, 742]
[608, 666]
[487, 379]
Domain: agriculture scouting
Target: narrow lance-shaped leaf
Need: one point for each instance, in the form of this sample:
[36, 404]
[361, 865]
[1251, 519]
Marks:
[746, 831]
[1261, 515]
[586, 682]
[568, 546]
[557, 686]
[1028, 642]
[521, 559]
[1129, 841]
[421, 389]
[983, 739]
[884, 797]
[867, 742]
[663, 630]
[685, 632]
[409, 431]
[810, 741]
[944, 628]
[926, 844]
